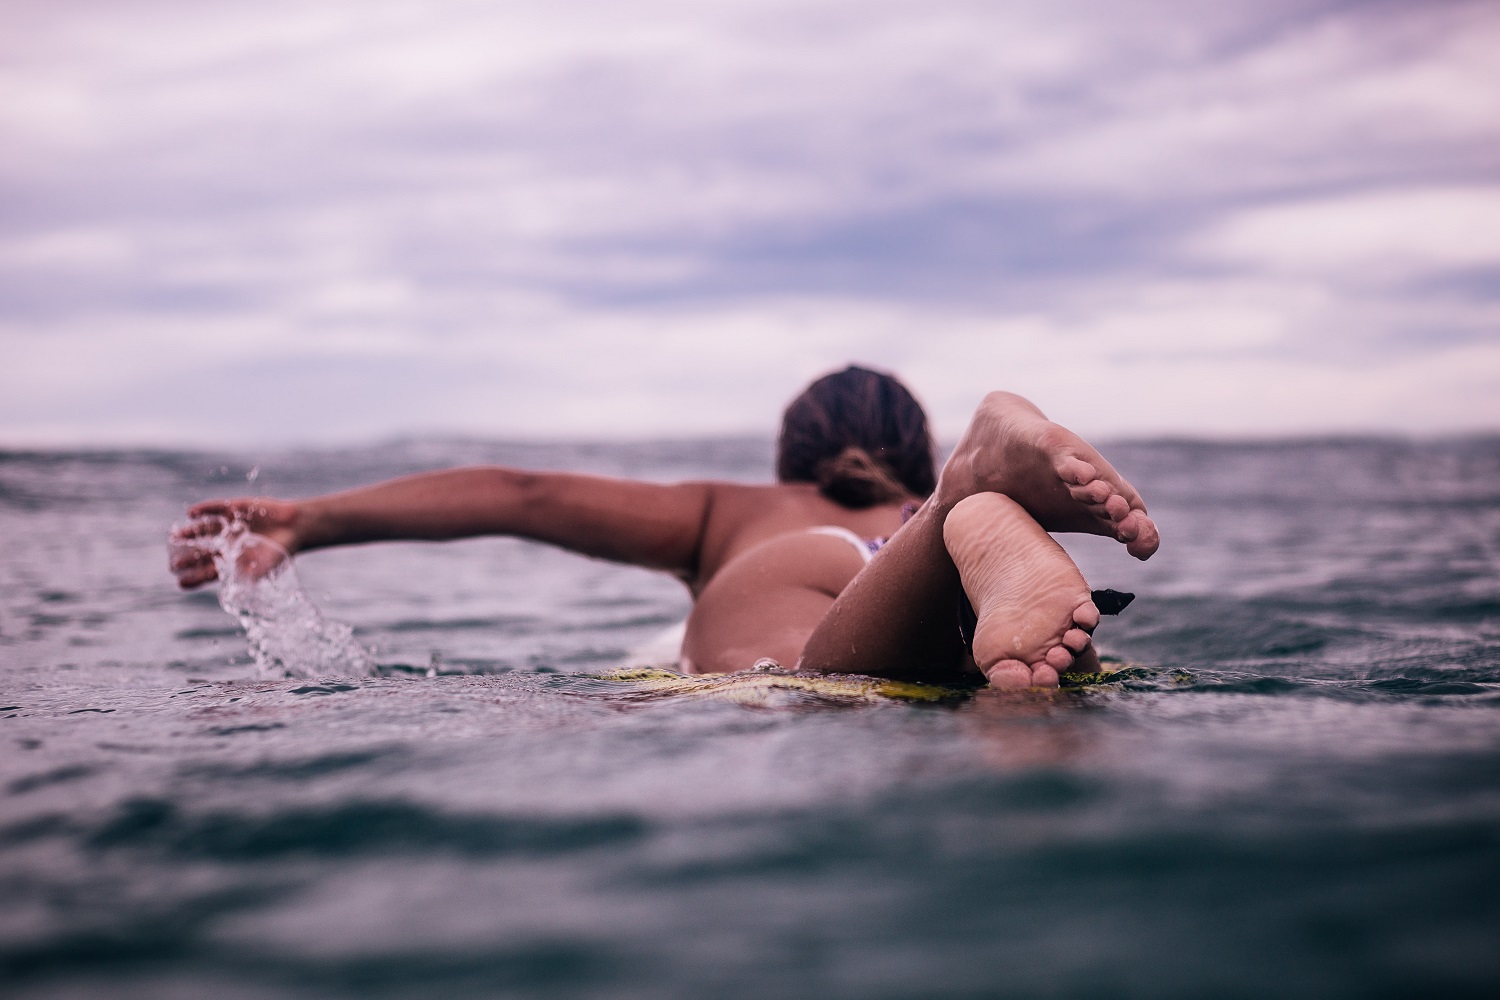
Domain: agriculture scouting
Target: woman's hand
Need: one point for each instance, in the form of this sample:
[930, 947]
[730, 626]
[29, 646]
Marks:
[192, 546]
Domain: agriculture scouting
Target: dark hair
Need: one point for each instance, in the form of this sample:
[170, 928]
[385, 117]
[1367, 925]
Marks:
[861, 436]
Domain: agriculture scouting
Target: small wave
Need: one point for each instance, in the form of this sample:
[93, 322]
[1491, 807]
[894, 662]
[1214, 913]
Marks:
[1382, 688]
[299, 769]
[253, 727]
[176, 933]
[1416, 685]
[228, 632]
[350, 828]
[1224, 683]
[500, 624]
[58, 776]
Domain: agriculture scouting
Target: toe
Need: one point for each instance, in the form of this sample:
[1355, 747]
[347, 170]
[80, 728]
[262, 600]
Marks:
[1043, 676]
[1009, 674]
[1147, 540]
[1117, 507]
[1076, 639]
[1059, 658]
[1092, 493]
[1086, 616]
[1076, 471]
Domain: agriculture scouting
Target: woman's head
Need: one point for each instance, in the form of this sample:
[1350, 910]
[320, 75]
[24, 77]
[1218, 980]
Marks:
[861, 436]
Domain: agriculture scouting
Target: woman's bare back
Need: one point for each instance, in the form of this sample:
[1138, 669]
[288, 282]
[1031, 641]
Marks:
[741, 517]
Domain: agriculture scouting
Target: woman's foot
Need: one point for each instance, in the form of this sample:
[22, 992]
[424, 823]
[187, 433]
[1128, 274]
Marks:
[1033, 605]
[1010, 447]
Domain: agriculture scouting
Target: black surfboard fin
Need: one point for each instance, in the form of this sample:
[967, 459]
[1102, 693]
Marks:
[1111, 602]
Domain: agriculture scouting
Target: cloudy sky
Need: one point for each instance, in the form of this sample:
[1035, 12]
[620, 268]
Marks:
[275, 221]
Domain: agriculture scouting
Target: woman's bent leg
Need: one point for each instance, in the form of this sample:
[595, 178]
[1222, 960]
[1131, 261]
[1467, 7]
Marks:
[899, 616]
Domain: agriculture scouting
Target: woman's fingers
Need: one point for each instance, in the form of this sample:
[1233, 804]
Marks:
[197, 576]
[248, 511]
[191, 563]
[180, 559]
[236, 509]
[258, 513]
[218, 527]
[224, 508]
[191, 546]
[201, 527]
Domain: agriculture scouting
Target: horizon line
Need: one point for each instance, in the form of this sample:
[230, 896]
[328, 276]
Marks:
[9, 448]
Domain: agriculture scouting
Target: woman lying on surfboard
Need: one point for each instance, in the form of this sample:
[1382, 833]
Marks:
[856, 561]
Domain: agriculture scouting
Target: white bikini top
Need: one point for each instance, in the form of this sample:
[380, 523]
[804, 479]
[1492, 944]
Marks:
[866, 547]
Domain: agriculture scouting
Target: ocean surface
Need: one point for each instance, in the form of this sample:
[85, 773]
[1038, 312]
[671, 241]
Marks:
[1295, 791]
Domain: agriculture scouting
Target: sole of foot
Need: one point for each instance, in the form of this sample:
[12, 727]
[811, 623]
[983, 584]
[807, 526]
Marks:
[1060, 479]
[1033, 605]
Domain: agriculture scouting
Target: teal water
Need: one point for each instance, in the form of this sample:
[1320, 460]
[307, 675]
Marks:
[1297, 795]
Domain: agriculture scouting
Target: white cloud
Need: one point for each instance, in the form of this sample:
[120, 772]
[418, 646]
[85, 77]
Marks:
[68, 250]
[1374, 237]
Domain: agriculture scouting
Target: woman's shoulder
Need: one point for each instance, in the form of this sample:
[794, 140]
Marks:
[742, 514]
[747, 502]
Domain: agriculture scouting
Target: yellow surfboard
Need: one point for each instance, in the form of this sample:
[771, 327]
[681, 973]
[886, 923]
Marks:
[774, 687]
[764, 687]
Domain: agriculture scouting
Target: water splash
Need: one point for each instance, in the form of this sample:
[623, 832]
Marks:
[288, 636]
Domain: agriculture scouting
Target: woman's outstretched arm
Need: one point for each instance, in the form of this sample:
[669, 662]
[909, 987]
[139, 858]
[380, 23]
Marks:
[644, 524]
